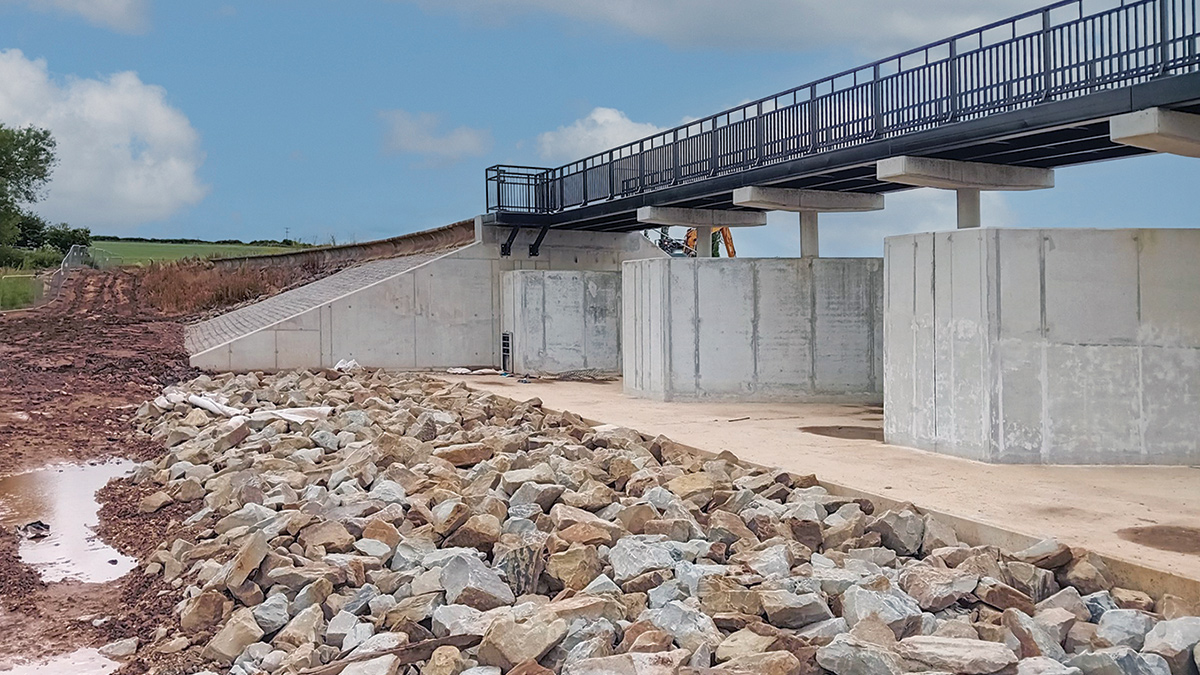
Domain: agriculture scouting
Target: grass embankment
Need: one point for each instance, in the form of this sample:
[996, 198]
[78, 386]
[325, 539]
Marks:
[17, 292]
[141, 252]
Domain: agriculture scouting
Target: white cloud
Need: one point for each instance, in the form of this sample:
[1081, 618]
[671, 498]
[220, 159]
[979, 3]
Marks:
[856, 235]
[420, 134]
[126, 16]
[602, 129]
[126, 157]
[873, 26]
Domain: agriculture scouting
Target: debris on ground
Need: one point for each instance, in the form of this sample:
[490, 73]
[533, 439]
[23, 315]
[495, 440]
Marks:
[423, 528]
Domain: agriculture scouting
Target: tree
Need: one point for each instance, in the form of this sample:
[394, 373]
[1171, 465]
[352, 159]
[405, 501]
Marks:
[26, 162]
[63, 237]
[32, 231]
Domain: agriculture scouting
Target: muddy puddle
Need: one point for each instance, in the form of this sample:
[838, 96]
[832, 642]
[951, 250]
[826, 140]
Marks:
[64, 497]
[857, 433]
[82, 662]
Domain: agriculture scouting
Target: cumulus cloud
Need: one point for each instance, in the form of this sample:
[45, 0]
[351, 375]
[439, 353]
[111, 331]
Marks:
[873, 26]
[126, 157]
[602, 129]
[421, 134]
[126, 16]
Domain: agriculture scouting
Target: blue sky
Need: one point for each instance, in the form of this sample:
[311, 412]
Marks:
[366, 119]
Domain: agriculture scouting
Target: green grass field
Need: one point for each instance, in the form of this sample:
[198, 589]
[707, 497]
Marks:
[16, 292]
[139, 252]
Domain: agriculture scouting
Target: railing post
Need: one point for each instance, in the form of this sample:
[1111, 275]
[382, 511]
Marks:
[675, 158]
[760, 134]
[1047, 60]
[876, 102]
[641, 166]
[585, 194]
[952, 68]
[1164, 40]
[713, 153]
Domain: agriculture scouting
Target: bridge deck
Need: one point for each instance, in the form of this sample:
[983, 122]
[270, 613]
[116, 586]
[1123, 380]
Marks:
[1034, 90]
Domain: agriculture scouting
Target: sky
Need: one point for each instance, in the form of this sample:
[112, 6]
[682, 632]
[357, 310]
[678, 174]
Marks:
[346, 121]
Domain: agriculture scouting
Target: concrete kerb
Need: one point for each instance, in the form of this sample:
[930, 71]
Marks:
[1125, 573]
[336, 299]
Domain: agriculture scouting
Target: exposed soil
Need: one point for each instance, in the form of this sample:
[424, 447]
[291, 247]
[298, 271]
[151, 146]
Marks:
[1164, 537]
[71, 375]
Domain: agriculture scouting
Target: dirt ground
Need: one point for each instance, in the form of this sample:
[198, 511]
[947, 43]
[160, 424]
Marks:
[71, 375]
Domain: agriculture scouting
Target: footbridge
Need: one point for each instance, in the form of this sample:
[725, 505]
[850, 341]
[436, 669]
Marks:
[1037, 90]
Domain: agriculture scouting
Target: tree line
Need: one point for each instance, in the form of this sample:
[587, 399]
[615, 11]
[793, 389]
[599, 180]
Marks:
[27, 159]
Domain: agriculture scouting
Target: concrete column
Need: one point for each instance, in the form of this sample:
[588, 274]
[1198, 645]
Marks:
[968, 208]
[809, 235]
[704, 242]
[965, 178]
[809, 204]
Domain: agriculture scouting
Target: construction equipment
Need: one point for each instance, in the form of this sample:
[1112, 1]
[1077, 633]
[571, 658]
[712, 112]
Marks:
[687, 247]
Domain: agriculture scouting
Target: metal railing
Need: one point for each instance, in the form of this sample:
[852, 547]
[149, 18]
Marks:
[1064, 50]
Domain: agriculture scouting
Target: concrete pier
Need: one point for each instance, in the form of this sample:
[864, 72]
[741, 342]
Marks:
[967, 179]
[1045, 346]
[562, 321]
[809, 204]
[753, 329]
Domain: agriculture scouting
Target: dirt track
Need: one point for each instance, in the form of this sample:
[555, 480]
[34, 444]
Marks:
[70, 376]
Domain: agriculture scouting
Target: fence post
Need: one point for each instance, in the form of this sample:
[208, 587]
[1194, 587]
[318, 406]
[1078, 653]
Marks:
[876, 101]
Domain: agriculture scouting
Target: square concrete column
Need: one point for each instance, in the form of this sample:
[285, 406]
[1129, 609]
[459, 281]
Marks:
[966, 178]
[809, 204]
[810, 240]
[704, 242]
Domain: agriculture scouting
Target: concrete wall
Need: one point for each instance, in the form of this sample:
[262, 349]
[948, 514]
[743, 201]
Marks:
[1045, 346]
[441, 314]
[754, 329]
[563, 321]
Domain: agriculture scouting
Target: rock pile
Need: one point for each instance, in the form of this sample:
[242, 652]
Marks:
[374, 523]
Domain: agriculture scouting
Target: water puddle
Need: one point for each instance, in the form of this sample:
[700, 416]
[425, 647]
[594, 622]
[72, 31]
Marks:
[64, 497]
[1164, 537]
[857, 433]
[82, 662]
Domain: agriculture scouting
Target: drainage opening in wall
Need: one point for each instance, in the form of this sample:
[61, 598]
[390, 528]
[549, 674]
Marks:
[854, 433]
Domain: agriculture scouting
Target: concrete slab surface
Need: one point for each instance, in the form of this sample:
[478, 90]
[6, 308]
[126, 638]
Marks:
[221, 329]
[1085, 506]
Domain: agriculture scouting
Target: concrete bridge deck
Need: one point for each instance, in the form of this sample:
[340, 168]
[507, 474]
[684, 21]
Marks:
[227, 327]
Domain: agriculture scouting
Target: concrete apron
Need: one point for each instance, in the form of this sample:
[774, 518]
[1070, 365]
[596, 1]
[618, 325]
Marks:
[1125, 573]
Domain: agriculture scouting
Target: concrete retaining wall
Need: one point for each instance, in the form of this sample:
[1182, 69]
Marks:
[444, 313]
[1045, 346]
[754, 329]
[563, 321]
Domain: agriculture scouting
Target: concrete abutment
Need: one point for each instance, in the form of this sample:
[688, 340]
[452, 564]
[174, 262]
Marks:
[1045, 346]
